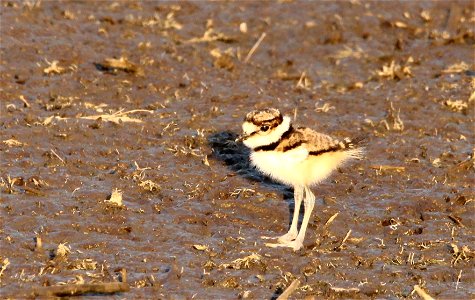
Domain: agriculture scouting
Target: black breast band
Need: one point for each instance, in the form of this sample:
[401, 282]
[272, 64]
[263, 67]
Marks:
[272, 146]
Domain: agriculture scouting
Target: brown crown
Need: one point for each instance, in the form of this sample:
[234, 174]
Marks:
[269, 116]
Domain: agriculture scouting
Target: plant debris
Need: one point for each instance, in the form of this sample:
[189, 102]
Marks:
[13, 143]
[243, 263]
[5, 264]
[394, 71]
[113, 65]
[456, 105]
[200, 247]
[81, 289]
[62, 250]
[115, 197]
[457, 68]
[53, 68]
[393, 120]
[149, 185]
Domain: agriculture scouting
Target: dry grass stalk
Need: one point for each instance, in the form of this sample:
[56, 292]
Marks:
[331, 219]
[457, 68]
[50, 119]
[344, 290]
[458, 280]
[348, 52]
[388, 168]
[13, 143]
[344, 240]
[456, 220]
[5, 264]
[460, 254]
[10, 184]
[139, 174]
[56, 154]
[84, 264]
[205, 161]
[422, 293]
[254, 48]
[53, 68]
[304, 82]
[80, 289]
[25, 102]
[120, 64]
[326, 107]
[289, 290]
[118, 117]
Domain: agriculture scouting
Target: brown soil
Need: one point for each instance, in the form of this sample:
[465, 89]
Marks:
[148, 98]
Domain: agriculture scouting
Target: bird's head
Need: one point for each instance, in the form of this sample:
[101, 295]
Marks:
[263, 127]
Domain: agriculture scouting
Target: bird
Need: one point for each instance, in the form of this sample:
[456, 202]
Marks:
[299, 157]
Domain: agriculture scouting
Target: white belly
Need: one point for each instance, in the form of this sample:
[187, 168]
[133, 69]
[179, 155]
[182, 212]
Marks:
[293, 169]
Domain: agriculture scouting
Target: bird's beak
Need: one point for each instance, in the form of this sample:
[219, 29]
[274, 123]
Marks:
[240, 138]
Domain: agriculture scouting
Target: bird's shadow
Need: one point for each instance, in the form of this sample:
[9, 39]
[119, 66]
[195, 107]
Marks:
[236, 157]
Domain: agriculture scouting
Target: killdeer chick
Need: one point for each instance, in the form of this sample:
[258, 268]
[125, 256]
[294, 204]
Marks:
[299, 157]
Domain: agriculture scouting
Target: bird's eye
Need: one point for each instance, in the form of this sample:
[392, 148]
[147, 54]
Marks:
[265, 128]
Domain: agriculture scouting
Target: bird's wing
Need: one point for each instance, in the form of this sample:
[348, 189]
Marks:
[294, 146]
[298, 154]
[316, 142]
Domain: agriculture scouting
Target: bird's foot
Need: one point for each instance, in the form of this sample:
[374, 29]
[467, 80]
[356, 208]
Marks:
[295, 245]
[288, 237]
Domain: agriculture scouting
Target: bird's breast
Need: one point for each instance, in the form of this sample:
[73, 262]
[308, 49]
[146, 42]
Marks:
[297, 167]
[282, 166]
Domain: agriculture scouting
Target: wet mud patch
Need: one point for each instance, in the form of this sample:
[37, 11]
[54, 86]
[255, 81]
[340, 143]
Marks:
[120, 170]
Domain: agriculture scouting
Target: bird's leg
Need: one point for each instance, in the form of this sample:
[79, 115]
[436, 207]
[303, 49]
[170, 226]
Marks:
[309, 203]
[292, 234]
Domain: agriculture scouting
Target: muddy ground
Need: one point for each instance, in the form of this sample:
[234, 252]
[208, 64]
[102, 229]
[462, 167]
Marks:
[147, 98]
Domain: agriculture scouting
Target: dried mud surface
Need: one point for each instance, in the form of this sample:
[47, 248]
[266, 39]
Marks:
[148, 97]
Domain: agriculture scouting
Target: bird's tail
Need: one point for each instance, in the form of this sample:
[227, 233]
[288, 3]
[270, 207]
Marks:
[355, 147]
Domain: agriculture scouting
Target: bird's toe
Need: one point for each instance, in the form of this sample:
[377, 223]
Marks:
[288, 237]
[295, 245]
[285, 238]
